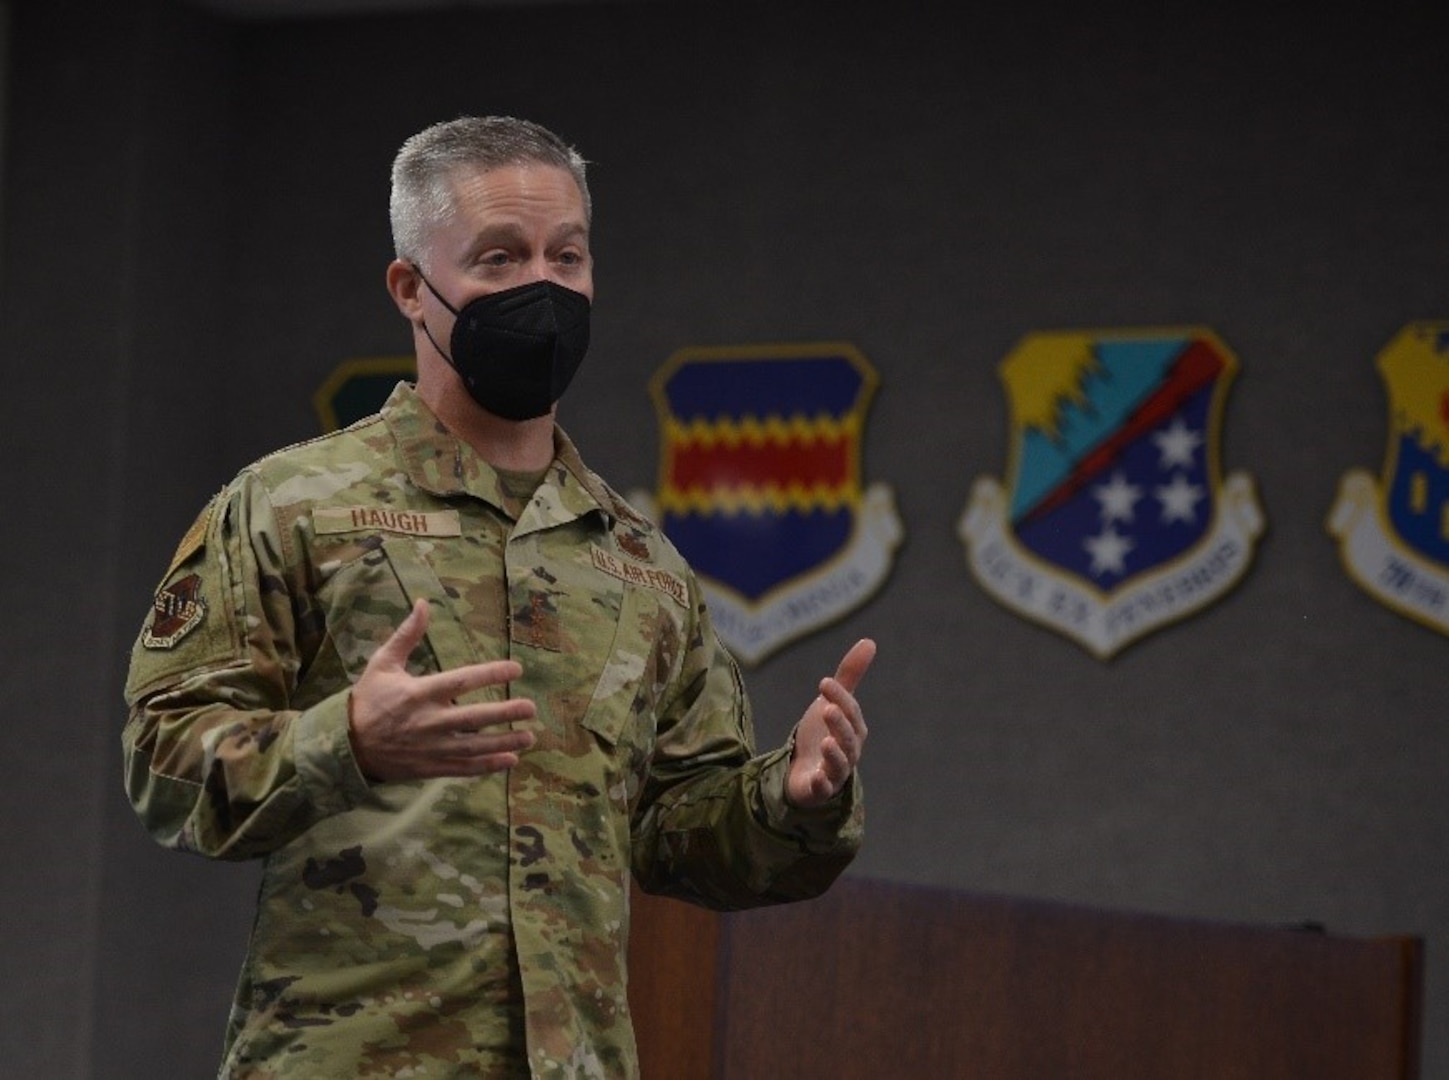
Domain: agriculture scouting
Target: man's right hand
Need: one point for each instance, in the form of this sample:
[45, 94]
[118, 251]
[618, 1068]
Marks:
[409, 727]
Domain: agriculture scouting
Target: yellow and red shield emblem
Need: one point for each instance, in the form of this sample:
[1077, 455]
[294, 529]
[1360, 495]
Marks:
[760, 486]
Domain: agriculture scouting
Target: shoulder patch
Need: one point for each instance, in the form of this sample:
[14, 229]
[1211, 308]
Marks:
[176, 611]
[632, 573]
[195, 538]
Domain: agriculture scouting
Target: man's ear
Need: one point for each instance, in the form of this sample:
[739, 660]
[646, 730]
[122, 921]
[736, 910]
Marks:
[403, 285]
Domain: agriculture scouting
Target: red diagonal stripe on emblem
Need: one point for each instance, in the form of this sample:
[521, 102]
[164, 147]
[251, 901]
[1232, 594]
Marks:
[1195, 369]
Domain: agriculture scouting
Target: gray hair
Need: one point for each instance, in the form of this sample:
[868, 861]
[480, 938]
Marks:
[421, 192]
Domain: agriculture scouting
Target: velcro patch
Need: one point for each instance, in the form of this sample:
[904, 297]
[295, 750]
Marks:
[194, 540]
[176, 611]
[345, 519]
[649, 577]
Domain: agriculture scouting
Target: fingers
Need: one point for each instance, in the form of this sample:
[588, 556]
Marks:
[844, 720]
[461, 720]
[855, 664]
[405, 726]
[420, 736]
[835, 763]
[447, 686]
[829, 774]
[394, 652]
[843, 715]
[822, 787]
[500, 753]
[435, 709]
[473, 751]
[845, 741]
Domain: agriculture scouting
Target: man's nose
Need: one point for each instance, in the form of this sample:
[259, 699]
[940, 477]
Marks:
[539, 268]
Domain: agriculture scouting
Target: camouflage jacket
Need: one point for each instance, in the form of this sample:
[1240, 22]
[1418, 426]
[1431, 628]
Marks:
[460, 927]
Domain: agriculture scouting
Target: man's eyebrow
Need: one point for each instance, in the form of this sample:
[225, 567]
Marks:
[573, 230]
[493, 234]
[510, 233]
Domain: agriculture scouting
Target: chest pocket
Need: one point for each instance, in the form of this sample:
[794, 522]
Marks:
[369, 594]
[597, 653]
[624, 695]
[591, 648]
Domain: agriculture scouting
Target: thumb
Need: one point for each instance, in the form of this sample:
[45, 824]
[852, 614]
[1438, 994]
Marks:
[855, 664]
[394, 652]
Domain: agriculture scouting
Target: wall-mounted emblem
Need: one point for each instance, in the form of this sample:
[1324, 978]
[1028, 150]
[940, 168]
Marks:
[1394, 536]
[1114, 520]
[357, 388]
[760, 487]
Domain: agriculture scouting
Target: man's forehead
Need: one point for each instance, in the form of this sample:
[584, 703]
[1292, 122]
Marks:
[502, 205]
[522, 175]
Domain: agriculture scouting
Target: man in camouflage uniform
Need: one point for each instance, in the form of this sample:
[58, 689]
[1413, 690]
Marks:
[453, 690]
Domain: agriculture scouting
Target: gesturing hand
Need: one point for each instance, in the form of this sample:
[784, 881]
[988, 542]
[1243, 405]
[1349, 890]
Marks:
[831, 735]
[409, 727]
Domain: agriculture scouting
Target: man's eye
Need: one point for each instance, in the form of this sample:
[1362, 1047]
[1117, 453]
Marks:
[493, 258]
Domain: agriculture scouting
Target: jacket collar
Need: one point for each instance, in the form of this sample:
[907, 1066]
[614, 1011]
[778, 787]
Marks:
[440, 463]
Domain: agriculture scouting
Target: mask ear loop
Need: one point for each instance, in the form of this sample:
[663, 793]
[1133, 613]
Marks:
[419, 271]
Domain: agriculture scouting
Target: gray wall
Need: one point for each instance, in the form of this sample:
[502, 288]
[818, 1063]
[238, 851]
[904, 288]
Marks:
[195, 234]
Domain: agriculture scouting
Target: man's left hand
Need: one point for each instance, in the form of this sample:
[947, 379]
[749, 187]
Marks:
[831, 735]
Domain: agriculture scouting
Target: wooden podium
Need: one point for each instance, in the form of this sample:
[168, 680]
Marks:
[883, 981]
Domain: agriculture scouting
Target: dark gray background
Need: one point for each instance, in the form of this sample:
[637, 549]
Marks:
[194, 235]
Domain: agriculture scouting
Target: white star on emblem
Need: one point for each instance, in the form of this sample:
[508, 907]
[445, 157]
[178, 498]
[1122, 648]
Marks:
[1117, 498]
[1109, 552]
[1178, 444]
[1179, 499]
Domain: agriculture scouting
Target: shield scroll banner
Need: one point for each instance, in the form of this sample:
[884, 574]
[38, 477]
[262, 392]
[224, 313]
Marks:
[1115, 519]
[1393, 535]
[760, 486]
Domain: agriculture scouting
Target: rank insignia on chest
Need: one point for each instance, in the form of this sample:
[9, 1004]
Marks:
[1115, 520]
[176, 611]
[1393, 534]
[760, 486]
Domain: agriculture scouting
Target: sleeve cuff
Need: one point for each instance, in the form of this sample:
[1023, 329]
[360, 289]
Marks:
[326, 766]
[827, 827]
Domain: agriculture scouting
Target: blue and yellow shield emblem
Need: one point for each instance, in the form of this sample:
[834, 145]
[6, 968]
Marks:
[760, 486]
[1115, 520]
[1394, 537]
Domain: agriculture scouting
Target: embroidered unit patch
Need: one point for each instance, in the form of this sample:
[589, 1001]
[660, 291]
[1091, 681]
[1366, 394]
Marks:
[176, 611]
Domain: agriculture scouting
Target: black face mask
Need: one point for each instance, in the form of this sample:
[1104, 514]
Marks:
[517, 350]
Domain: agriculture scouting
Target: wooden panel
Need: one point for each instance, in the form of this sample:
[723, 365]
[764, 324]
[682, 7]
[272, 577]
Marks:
[674, 956]
[877, 980]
